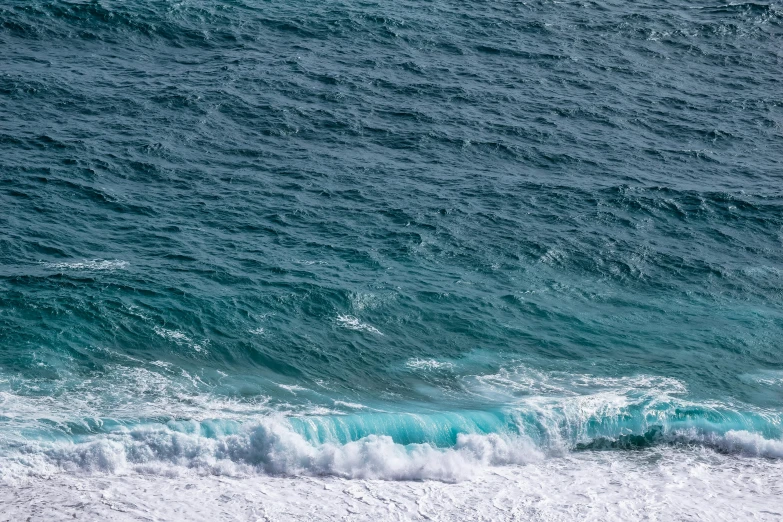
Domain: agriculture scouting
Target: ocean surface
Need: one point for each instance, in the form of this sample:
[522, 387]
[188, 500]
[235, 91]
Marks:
[359, 240]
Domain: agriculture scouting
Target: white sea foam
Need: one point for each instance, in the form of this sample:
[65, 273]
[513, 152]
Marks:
[428, 364]
[352, 405]
[293, 388]
[739, 442]
[179, 338]
[128, 392]
[521, 384]
[254, 470]
[660, 484]
[552, 256]
[272, 447]
[89, 264]
[352, 323]
[309, 262]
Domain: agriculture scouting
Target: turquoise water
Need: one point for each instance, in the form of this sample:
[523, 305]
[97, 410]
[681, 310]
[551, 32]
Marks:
[270, 228]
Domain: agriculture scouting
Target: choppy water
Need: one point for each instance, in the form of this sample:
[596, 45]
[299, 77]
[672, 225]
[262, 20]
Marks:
[392, 239]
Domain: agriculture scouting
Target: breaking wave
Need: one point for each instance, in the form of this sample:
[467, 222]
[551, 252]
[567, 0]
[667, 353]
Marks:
[442, 446]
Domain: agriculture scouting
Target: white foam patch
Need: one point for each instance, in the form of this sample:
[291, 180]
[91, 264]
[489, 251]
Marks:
[126, 392]
[428, 364]
[352, 405]
[180, 338]
[553, 255]
[524, 380]
[660, 484]
[739, 442]
[90, 264]
[572, 400]
[352, 323]
[293, 388]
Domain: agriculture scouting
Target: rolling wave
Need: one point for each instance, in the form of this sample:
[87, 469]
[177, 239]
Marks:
[396, 446]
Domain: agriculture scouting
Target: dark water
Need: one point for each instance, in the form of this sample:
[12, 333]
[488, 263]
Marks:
[557, 222]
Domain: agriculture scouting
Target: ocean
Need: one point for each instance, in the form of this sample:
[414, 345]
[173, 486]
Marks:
[486, 260]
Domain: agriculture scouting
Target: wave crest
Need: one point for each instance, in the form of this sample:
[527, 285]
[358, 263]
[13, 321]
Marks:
[272, 447]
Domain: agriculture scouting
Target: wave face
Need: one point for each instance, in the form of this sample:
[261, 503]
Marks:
[387, 241]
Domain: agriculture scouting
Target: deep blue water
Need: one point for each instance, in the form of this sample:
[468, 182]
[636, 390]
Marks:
[561, 221]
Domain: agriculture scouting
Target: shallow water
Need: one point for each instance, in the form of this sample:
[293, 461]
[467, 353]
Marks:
[387, 240]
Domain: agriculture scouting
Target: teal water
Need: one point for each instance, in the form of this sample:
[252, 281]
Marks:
[269, 228]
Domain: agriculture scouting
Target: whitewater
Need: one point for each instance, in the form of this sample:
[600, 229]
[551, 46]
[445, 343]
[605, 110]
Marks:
[344, 260]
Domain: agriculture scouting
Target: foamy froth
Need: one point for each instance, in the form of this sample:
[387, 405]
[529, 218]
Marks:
[89, 264]
[665, 484]
[272, 447]
[290, 447]
[531, 416]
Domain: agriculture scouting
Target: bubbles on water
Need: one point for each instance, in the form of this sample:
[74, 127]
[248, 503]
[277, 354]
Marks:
[428, 364]
[179, 338]
[352, 323]
[89, 264]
